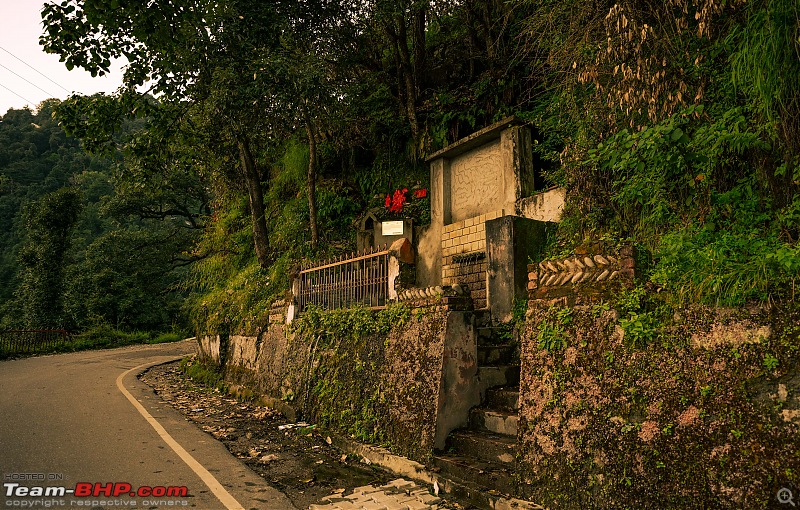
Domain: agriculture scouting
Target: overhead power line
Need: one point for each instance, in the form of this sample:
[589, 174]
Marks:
[27, 80]
[39, 72]
[23, 98]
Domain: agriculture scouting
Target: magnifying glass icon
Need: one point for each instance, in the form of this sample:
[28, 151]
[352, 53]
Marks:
[785, 497]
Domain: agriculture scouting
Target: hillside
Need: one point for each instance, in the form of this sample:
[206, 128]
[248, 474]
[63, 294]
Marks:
[671, 126]
[78, 247]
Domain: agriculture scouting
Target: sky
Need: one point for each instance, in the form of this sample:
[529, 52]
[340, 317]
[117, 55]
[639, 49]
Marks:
[28, 75]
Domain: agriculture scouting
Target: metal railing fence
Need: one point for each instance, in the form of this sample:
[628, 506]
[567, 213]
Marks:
[30, 341]
[361, 279]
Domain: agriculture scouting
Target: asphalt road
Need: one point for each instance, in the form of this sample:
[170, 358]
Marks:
[66, 420]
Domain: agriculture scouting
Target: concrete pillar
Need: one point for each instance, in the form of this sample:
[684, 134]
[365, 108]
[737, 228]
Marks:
[460, 389]
[517, 168]
[511, 242]
[429, 246]
[291, 311]
[440, 191]
[400, 252]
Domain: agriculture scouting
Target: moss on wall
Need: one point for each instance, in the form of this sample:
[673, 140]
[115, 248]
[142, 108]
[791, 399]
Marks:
[702, 412]
[376, 376]
[371, 375]
[412, 379]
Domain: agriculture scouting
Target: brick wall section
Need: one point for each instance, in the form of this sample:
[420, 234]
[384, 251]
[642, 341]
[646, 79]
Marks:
[472, 273]
[587, 276]
[464, 255]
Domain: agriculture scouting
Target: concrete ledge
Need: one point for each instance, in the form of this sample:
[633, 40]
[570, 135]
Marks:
[543, 206]
[384, 458]
[476, 139]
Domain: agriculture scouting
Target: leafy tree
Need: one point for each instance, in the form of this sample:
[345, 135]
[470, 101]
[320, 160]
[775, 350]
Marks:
[199, 58]
[215, 69]
[121, 258]
[49, 223]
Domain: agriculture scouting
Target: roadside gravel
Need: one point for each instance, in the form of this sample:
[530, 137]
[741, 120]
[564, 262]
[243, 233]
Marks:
[295, 459]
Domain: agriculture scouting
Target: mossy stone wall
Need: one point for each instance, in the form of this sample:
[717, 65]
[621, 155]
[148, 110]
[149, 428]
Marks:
[374, 376]
[705, 414]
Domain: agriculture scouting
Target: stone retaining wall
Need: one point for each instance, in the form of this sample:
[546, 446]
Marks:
[687, 408]
[408, 388]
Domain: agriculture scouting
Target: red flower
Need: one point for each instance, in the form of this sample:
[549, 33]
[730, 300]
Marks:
[395, 201]
[398, 200]
[421, 193]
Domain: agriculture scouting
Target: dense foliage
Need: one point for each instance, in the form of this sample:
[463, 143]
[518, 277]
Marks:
[672, 125]
[81, 247]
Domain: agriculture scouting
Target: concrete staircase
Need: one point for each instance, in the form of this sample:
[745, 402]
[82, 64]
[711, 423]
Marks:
[482, 455]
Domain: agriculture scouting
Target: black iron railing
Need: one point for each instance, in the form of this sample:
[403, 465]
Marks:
[360, 280]
[30, 341]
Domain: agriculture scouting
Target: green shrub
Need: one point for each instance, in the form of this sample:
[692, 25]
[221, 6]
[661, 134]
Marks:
[686, 192]
[203, 374]
[639, 328]
[736, 255]
[164, 338]
[106, 336]
[552, 334]
[551, 337]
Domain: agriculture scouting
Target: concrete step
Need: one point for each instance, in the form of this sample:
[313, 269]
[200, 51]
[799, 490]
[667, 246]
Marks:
[498, 422]
[485, 475]
[503, 399]
[482, 445]
[503, 354]
[492, 335]
[482, 318]
[498, 375]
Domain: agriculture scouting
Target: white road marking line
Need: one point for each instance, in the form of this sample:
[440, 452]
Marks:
[219, 491]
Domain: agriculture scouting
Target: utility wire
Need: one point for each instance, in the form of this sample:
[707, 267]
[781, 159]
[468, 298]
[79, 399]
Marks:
[23, 98]
[44, 75]
[27, 80]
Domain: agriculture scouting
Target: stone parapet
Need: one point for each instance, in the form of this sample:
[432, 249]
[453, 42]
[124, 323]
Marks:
[278, 311]
[589, 274]
[411, 385]
[453, 298]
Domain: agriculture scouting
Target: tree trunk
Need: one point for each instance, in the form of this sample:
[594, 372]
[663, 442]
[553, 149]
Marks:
[312, 179]
[419, 16]
[402, 85]
[256, 193]
[408, 75]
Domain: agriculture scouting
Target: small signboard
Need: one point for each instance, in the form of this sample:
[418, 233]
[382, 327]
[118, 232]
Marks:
[392, 228]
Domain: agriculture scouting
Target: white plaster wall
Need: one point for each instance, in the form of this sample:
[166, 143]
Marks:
[546, 206]
[476, 182]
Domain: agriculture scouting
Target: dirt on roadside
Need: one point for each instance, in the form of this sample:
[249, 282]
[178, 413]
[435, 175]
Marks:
[294, 458]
